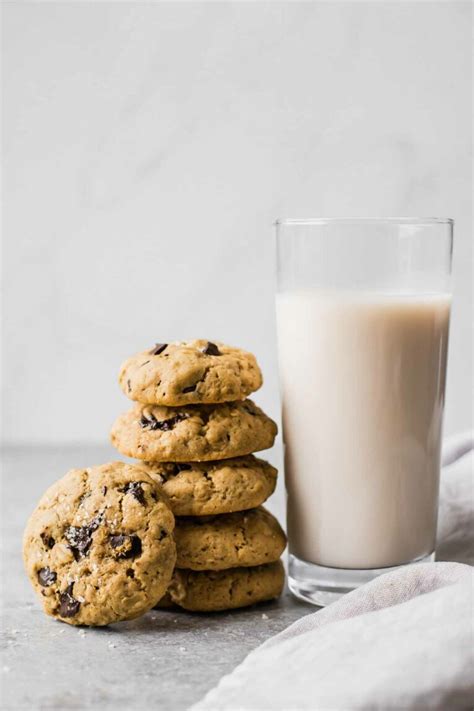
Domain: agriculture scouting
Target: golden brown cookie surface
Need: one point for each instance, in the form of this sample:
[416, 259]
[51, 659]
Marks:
[193, 432]
[212, 591]
[190, 372]
[207, 488]
[246, 538]
[99, 546]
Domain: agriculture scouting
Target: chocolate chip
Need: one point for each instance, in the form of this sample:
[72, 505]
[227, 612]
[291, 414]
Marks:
[80, 537]
[130, 573]
[147, 423]
[205, 416]
[190, 389]
[159, 348]
[211, 349]
[69, 606]
[96, 521]
[136, 490]
[181, 467]
[151, 423]
[47, 540]
[46, 577]
[206, 475]
[126, 546]
[117, 540]
[174, 469]
[104, 490]
[166, 425]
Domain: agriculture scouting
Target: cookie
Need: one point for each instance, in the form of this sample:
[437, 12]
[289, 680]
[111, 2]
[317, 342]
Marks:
[190, 372]
[99, 546]
[211, 591]
[193, 432]
[207, 488]
[246, 538]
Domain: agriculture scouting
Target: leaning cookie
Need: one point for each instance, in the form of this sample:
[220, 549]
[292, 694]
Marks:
[246, 538]
[193, 433]
[213, 591]
[190, 372]
[99, 546]
[207, 488]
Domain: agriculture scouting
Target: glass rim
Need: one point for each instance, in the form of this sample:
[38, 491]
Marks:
[364, 220]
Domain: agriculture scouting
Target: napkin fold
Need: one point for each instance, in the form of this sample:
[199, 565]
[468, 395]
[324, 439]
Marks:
[402, 641]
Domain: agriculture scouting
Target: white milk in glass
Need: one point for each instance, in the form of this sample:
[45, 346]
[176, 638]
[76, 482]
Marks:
[363, 388]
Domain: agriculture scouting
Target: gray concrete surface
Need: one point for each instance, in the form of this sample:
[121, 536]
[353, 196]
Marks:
[165, 660]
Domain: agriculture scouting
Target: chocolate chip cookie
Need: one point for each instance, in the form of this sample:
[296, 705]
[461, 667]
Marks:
[206, 488]
[190, 372]
[193, 432]
[242, 539]
[99, 546]
[211, 591]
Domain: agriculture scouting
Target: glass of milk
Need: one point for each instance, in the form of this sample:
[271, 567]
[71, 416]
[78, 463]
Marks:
[363, 311]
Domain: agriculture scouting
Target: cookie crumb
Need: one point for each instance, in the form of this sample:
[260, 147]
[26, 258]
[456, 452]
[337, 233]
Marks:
[265, 617]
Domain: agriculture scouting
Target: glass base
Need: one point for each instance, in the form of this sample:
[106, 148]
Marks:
[321, 586]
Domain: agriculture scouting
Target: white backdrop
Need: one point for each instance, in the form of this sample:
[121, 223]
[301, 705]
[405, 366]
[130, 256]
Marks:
[148, 147]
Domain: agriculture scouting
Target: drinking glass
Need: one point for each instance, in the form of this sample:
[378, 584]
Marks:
[363, 308]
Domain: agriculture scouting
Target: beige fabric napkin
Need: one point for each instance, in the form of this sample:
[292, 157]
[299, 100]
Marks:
[403, 641]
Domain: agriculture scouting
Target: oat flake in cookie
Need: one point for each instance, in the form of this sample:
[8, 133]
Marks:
[99, 546]
[193, 433]
[190, 372]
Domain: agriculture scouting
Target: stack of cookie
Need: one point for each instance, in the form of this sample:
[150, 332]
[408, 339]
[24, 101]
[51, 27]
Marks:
[194, 431]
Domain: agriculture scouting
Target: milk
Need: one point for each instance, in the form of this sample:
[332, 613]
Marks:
[363, 377]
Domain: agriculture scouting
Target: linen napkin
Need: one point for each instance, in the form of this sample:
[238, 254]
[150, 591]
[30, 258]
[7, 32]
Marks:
[402, 641]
